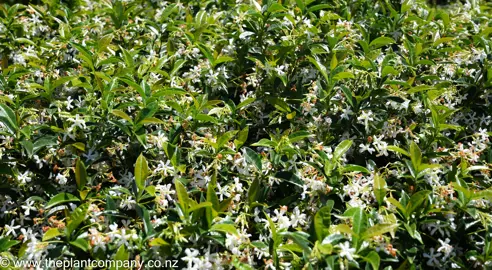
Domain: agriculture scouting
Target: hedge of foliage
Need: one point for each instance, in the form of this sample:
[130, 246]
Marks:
[248, 134]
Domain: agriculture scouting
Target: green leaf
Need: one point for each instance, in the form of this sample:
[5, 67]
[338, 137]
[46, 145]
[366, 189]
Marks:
[412, 230]
[483, 194]
[299, 135]
[61, 81]
[122, 256]
[80, 174]
[242, 137]
[301, 5]
[177, 65]
[103, 43]
[279, 104]
[223, 59]
[225, 138]
[143, 213]
[206, 51]
[319, 7]
[79, 145]
[420, 88]
[253, 158]
[28, 146]
[398, 205]
[134, 85]
[123, 115]
[212, 195]
[61, 198]
[275, 7]
[225, 228]
[272, 227]
[379, 229]
[380, 42]
[253, 191]
[211, 212]
[128, 58]
[141, 172]
[373, 259]
[399, 150]
[334, 61]
[151, 120]
[388, 70]
[341, 149]
[8, 118]
[415, 201]
[290, 177]
[81, 243]
[415, 156]
[355, 168]
[76, 218]
[359, 220]
[43, 142]
[182, 197]
[200, 206]
[343, 75]
[6, 243]
[348, 95]
[322, 220]
[206, 118]
[293, 247]
[320, 67]
[359, 223]
[25, 40]
[300, 238]
[158, 242]
[442, 40]
[51, 233]
[265, 143]
[245, 103]
[379, 188]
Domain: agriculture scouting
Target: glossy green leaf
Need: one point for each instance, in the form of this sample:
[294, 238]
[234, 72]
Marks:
[60, 199]
[253, 158]
[341, 149]
[322, 220]
[141, 172]
[8, 118]
[80, 174]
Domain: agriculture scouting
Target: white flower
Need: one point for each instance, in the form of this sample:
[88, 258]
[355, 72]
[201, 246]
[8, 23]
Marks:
[165, 190]
[346, 113]
[128, 203]
[347, 251]
[23, 178]
[160, 139]
[61, 179]
[238, 186]
[366, 147]
[365, 118]
[28, 207]
[11, 229]
[297, 218]
[191, 257]
[28, 235]
[281, 70]
[433, 258]
[446, 248]
[69, 103]
[91, 155]
[38, 161]
[77, 122]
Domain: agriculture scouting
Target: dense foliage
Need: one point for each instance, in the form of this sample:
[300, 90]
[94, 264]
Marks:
[248, 134]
